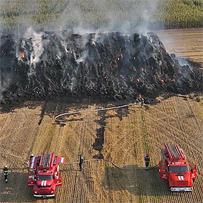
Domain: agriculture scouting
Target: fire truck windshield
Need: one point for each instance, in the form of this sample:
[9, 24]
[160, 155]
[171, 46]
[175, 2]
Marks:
[45, 177]
[178, 169]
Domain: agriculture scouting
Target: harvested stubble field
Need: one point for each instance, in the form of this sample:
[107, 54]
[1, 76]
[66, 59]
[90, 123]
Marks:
[129, 133]
[187, 43]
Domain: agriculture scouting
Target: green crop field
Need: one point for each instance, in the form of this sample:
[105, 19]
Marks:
[95, 13]
[183, 13]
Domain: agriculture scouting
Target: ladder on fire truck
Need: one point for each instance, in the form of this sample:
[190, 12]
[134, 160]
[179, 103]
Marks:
[174, 152]
[45, 161]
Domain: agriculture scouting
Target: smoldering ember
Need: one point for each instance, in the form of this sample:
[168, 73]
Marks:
[112, 65]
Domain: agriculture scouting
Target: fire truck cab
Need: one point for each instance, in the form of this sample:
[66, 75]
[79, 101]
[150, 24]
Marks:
[44, 175]
[174, 168]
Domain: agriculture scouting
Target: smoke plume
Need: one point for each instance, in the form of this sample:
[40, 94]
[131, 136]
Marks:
[80, 15]
[115, 15]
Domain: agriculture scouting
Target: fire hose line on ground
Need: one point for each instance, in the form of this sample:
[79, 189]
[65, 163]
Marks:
[91, 160]
[96, 110]
[73, 163]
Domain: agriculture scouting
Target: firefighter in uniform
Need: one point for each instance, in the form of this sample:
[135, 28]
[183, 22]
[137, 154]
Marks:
[81, 161]
[30, 160]
[5, 173]
[147, 160]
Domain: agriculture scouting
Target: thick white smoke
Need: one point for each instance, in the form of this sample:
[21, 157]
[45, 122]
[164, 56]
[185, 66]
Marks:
[108, 15]
[79, 16]
[38, 49]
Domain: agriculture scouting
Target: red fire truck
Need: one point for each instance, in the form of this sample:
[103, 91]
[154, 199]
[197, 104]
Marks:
[43, 175]
[175, 168]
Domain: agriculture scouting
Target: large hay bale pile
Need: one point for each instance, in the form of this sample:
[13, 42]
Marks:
[112, 65]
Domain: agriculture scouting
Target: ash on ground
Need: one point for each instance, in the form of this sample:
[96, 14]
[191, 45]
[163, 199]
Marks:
[111, 65]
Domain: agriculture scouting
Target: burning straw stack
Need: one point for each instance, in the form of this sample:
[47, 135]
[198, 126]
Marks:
[111, 65]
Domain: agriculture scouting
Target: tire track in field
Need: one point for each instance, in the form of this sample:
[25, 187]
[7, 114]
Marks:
[128, 143]
[157, 130]
[167, 109]
[195, 116]
[8, 120]
[109, 181]
[77, 176]
[180, 131]
[181, 110]
[147, 191]
[186, 110]
[177, 198]
[172, 197]
[87, 138]
[20, 135]
[119, 143]
[80, 189]
[39, 129]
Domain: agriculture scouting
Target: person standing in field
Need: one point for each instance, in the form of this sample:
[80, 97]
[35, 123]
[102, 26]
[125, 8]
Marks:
[147, 160]
[81, 161]
[5, 173]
